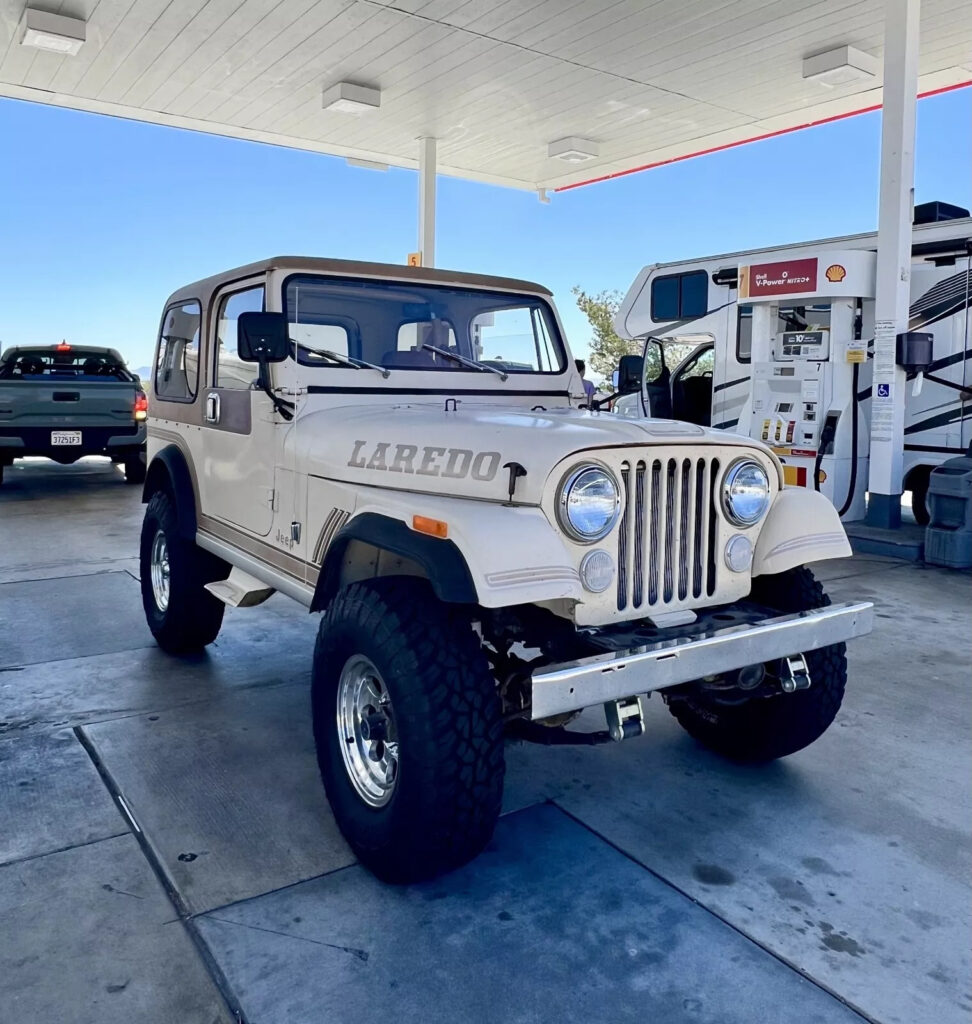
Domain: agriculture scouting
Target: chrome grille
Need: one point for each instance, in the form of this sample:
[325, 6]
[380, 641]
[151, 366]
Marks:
[667, 537]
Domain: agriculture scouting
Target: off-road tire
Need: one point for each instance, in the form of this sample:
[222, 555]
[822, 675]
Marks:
[193, 616]
[449, 784]
[135, 469]
[766, 728]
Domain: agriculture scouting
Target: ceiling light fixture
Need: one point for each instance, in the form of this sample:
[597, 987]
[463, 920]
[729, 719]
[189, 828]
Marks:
[56, 33]
[368, 165]
[841, 66]
[573, 150]
[349, 98]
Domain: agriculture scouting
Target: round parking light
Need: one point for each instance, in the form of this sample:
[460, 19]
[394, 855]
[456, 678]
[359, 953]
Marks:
[739, 553]
[597, 571]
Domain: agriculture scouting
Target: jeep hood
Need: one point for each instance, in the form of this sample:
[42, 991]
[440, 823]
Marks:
[464, 453]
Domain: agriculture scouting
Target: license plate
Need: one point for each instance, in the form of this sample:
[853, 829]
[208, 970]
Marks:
[65, 437]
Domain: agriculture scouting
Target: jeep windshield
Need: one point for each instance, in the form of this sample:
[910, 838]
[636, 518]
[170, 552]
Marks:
[405, 326]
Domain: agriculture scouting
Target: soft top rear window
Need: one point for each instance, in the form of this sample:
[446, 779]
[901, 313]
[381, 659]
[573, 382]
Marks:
[62, 364]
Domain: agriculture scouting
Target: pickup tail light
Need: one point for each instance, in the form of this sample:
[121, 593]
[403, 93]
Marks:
[141, 406]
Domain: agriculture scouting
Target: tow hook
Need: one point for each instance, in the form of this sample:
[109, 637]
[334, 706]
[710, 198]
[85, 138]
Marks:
[625, 718]
[795, 674]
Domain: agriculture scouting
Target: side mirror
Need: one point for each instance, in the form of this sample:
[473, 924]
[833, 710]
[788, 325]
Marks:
[262, 337]
[630, 369]
[615, 377]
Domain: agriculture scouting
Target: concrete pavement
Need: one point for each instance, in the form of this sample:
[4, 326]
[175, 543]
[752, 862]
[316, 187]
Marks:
[166, 852]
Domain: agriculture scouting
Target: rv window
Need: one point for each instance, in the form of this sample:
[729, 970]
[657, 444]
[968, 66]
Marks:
[744, 334]
[694, 301]
[679, 296]
[664, 299]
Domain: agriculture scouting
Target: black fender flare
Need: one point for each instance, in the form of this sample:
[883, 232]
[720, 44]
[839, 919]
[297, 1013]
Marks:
[169, 471]
[441, 559]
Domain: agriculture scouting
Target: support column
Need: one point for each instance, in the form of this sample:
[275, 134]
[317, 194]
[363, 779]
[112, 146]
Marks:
[427, 158]
[893, 285]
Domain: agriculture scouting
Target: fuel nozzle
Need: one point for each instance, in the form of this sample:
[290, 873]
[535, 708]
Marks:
[828, 433]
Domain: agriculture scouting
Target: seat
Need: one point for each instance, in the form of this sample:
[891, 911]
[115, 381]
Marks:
[693, 400]
[30, 366]
[409, 359]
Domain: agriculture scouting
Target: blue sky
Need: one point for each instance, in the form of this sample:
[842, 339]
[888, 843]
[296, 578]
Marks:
[103, 218]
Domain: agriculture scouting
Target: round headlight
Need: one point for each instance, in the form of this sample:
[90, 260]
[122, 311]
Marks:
[589, 504]
[745, 492]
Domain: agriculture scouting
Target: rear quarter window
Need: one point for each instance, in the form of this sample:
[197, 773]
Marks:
[177, 362]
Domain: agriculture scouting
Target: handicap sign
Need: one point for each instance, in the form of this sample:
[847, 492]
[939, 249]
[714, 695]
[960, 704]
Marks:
[884, 391]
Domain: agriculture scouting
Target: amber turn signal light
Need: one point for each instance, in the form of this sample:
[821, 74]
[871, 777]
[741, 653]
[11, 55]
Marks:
[433, 527]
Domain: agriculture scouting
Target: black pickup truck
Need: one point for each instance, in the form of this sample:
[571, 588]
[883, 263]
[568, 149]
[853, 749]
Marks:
[65, 402]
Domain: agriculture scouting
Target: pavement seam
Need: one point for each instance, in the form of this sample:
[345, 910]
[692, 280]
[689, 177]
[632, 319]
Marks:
[175, 898]
[882, 568]
[273, 892]
[78, 720]
[105, 571]
[359, 954]
[60, 849]
[719, 917]
[82, 657]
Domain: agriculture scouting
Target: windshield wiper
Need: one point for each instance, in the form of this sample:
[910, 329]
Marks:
[352, 361]
[471, 363]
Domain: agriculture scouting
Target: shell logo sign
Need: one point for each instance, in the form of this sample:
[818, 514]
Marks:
[790, 277]
[835, 273]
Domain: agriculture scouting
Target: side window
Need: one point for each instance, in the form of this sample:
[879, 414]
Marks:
[322, 336]
[702, 365]
[231, 371]
[654, 362]
[744, 334]
[514, 339]
[413, 335]
[680, 296]
[177, 365]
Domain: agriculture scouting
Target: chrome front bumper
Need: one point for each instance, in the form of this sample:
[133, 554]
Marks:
[557, 689]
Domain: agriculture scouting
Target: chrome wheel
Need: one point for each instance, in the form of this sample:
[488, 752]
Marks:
[159, 571]
[367, 734]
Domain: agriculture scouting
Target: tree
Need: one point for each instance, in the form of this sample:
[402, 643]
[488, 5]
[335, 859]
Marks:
[606, 347]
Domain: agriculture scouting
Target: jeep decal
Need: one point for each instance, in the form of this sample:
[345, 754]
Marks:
[452, 463]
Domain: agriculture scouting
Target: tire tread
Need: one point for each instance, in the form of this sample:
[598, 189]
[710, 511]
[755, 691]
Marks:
[764, 729]
[453, 809]
[194, 616]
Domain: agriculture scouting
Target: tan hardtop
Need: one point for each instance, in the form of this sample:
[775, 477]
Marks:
[204, 289]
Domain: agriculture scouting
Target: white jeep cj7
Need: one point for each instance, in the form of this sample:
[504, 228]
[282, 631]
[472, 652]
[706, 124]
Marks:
[401, 449]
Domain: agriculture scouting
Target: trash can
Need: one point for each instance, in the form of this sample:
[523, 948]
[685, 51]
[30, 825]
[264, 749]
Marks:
[948, 536]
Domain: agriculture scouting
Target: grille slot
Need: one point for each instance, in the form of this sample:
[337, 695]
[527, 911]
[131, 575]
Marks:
[667, 535]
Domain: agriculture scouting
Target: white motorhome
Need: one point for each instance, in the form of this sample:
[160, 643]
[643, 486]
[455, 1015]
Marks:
[779, 348]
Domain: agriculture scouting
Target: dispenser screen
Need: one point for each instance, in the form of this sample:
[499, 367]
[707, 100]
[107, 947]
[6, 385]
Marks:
[792, 345]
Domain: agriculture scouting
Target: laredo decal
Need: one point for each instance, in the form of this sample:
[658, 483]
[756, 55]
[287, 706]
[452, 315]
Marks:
[452, 463]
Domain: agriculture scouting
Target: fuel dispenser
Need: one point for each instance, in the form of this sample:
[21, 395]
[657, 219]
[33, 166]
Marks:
[810, 321]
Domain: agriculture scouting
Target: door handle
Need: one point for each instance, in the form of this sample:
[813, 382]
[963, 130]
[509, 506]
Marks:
[212, 407]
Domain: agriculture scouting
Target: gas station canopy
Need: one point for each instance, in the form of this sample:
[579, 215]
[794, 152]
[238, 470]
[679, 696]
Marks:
[526, 93]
